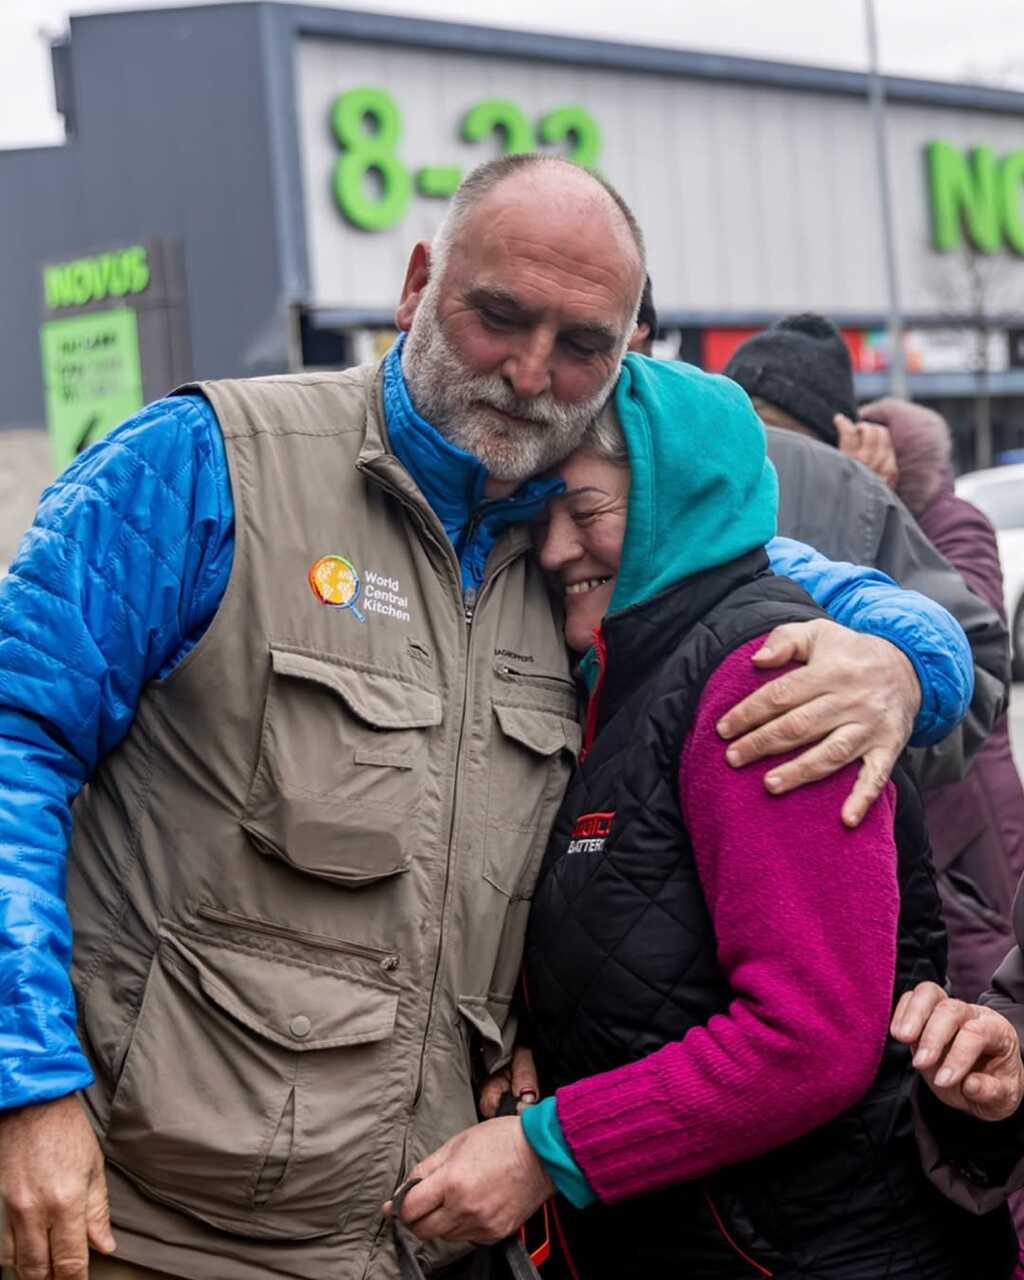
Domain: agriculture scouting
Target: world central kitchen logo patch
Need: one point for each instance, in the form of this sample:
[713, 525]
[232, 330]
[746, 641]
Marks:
[337, 583]
[590, 832]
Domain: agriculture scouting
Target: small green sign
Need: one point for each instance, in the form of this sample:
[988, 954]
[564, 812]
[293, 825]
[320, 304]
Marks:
[93, 377]
[104, 275]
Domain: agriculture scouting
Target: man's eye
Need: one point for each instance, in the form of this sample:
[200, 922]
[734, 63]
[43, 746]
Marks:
[584, 517]
[495, 319]
[578, 349]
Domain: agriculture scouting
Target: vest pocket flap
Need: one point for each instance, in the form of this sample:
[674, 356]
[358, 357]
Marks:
[542, 732]
[299, 1007]
[384, 701]
[483, 1014]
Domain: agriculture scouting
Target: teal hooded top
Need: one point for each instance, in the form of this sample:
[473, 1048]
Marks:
[702, 490]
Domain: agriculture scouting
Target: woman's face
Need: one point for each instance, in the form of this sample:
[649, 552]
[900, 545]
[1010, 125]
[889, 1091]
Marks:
[581, 541]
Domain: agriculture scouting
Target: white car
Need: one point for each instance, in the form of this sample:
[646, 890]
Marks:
[999, 492]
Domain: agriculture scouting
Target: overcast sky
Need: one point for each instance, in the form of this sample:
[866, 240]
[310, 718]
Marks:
[940, 39]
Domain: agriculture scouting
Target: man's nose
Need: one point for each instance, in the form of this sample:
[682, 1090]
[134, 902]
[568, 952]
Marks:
[559, 546]
[528, 369]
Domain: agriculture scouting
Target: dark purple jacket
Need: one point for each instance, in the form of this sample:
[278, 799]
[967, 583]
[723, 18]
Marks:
[976, 825]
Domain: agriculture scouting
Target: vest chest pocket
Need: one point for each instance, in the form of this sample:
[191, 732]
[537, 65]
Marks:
[533, 749]
[342, 759]
[250, 1096]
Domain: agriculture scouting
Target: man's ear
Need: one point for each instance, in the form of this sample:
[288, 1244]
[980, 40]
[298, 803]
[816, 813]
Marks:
[417, 274]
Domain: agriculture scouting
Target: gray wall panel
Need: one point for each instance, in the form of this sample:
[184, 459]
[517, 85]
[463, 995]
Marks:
[753, 198]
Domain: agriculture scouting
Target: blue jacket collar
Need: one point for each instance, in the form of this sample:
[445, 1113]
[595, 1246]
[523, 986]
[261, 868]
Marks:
[452, 481]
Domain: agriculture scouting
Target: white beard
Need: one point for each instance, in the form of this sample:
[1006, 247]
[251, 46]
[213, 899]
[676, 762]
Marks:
[451, 397]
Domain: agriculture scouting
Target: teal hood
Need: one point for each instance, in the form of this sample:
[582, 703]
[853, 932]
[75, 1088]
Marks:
[702, 490]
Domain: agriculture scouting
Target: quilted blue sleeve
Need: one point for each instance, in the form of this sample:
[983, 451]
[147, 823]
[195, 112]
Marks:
[124, 566]
[867, 600]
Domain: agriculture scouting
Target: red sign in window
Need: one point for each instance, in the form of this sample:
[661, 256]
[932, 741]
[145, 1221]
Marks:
[719, 345]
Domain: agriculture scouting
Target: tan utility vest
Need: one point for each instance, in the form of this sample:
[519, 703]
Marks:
[299, 886]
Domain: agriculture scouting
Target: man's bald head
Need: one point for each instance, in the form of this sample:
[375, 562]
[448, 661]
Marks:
[544, 178]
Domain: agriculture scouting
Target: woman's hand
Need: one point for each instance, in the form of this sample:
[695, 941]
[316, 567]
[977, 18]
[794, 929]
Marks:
[519, 1078]
[969, 1055]
[481, 1185]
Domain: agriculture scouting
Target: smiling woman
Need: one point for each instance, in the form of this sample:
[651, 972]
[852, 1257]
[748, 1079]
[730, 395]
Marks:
[710, 969]
[582, 541]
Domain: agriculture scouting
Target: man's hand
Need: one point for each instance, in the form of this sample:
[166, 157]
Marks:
[519, 1078]
[53, 1194]
[871, 444]
[968, 1055]
[480, 1186]
[856, 698]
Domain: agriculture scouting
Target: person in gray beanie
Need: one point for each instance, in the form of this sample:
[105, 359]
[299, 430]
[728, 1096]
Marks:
[801, 365]
[799, 376]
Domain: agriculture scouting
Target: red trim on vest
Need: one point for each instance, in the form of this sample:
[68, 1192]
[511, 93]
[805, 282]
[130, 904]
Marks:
[595, 698]
[761, 1271]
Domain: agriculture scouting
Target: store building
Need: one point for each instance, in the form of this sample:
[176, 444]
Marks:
[274, 163]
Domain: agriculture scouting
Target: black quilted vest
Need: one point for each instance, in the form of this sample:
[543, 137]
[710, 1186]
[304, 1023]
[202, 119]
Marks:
[620, 960]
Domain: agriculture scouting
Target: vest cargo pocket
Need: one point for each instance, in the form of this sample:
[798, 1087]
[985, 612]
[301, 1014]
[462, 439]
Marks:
[249, 1097]
[341, 765]
[531, 758]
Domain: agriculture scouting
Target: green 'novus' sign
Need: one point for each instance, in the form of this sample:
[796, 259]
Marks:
[976, 195]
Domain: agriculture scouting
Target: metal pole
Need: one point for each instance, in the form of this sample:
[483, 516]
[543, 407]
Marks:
[876, 98]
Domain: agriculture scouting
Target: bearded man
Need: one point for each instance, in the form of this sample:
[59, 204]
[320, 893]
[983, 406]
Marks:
[283, 647]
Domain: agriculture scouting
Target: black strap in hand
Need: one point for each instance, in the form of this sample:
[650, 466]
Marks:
[518, 1260]
[408, 1267]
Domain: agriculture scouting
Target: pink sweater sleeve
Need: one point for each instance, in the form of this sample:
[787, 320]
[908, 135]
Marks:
[805, 916]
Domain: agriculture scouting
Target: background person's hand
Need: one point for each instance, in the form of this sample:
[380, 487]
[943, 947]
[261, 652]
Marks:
[969, 1055]
[481, 1185]
[53, 1193]
[519, 1078]
[855, 699]
[871, 444]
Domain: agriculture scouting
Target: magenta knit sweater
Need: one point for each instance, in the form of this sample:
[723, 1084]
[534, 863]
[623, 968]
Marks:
[805, 915]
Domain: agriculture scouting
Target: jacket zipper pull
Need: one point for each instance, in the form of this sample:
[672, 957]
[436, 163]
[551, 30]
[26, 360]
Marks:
[469, 603]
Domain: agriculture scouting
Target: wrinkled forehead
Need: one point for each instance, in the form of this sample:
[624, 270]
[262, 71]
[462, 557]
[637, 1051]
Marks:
[554, 237]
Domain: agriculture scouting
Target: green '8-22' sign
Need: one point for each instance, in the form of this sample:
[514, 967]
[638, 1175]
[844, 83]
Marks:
[367, 125]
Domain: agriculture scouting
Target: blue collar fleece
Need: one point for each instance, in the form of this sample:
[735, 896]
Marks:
[452, 481]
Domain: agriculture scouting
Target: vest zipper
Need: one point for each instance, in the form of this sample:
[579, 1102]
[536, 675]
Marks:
[471, 600]
[386, 959]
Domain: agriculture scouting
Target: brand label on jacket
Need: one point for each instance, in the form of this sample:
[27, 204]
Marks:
[590, 832]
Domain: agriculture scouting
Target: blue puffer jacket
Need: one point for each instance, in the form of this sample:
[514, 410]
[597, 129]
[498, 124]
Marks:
[121, 573]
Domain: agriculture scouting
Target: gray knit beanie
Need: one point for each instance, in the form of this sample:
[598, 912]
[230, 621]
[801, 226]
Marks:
[802, 365]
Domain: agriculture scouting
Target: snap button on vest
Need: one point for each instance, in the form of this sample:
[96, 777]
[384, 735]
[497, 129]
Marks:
[300, 1026]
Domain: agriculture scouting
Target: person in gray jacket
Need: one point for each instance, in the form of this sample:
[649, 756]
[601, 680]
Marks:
[799, 376]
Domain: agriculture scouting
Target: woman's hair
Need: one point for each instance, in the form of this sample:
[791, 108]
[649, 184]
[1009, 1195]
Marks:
[604, 438]
[922, 444]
